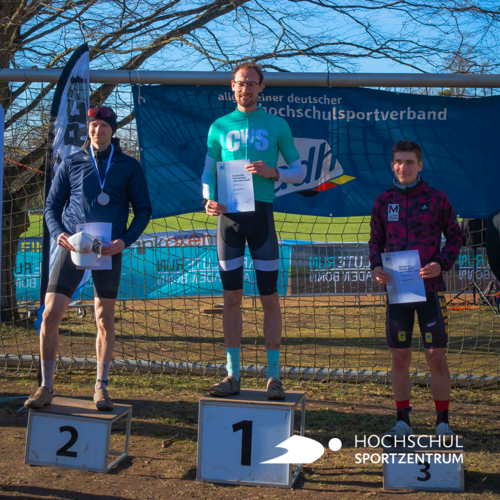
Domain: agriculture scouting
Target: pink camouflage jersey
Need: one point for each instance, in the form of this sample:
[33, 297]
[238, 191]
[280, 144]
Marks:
[413, 219]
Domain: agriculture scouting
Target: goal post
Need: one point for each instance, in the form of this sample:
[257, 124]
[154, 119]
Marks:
[168, 314]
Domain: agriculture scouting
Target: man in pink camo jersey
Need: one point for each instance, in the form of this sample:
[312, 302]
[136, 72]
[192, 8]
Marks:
[411, 215]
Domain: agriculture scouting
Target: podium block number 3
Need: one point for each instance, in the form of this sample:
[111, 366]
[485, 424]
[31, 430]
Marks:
[245, 426]
[63, 450]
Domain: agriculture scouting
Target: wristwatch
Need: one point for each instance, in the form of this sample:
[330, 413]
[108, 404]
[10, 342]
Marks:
[277, 176]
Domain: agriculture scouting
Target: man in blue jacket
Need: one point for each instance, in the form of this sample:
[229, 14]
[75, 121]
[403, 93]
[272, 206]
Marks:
[97, 184]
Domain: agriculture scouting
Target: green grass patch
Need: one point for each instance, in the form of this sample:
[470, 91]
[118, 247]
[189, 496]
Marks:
[288, 226]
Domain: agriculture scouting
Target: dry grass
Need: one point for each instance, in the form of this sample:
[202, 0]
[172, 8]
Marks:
[325, 332]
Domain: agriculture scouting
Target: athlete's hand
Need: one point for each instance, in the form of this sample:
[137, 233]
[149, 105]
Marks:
[214, 208]
[116, 246]
[261, 168]
[431, 270]
[62, 241]
[380, 275]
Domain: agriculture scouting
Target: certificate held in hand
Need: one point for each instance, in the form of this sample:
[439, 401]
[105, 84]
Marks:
[235, 186]
[406, 284]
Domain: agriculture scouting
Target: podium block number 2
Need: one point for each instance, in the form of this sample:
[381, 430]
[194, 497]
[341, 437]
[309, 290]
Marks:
[63, 450]
[245, 426]
[68, 442]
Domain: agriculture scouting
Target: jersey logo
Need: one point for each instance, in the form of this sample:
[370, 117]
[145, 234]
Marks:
[424, 208]
[393, 212]
[235, 138]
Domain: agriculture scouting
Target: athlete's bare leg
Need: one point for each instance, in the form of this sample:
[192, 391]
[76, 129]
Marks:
[105, 320]
[272, 320]
[232, 321]
[55, 307]
[440, 374]
[400, 374]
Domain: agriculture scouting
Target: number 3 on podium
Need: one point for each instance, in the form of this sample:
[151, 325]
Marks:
[425, 470]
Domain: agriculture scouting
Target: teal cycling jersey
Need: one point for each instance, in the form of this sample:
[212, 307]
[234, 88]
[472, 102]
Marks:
[259, 136]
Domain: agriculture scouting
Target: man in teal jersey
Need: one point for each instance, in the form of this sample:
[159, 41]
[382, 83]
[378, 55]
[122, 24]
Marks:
[249, 133]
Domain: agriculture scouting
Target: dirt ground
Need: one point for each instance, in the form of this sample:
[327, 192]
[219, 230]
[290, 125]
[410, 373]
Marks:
[163, 447]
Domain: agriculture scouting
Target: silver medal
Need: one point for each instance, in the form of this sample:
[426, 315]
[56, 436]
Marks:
[103, 198]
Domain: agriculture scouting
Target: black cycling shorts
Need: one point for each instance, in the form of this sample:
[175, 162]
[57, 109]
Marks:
[257, 228]
[65, 277]
[432, 318]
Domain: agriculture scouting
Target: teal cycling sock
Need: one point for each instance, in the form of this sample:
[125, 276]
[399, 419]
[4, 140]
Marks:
[233, 362]
[273, 364]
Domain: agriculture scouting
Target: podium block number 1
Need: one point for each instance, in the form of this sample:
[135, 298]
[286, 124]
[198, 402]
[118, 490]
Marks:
[235, 441]
[246, 440]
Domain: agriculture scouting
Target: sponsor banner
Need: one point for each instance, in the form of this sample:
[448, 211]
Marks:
[344, 269]
[194, 271]
[181, 238]
[162, 266]
[154, 272]
[344, 137]
[331, 269]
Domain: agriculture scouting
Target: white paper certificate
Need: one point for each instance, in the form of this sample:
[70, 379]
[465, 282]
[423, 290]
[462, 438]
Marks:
[406, 284]
[101, 230]
[235, 186]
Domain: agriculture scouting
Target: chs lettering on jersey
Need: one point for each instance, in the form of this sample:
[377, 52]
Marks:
[235, 138]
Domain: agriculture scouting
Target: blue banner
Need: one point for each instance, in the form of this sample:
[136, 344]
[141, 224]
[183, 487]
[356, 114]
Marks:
[163, 271]
[344, 137]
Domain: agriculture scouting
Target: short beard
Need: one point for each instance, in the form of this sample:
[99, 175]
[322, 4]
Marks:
[249, 105]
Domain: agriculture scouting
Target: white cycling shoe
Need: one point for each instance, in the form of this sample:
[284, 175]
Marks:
[400, 430]
[445, 431]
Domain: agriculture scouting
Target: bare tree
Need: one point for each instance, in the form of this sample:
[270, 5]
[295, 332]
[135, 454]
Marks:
[282, 35]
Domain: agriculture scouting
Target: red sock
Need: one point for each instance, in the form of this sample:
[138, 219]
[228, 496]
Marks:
[442, 405]
[402, 405]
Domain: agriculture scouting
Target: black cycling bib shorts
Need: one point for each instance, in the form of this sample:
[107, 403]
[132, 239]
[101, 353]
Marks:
[256, 228]
[432, 318]
[65, 277]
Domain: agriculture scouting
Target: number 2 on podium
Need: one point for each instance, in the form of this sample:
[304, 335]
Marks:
[246, 440]
[63, 450]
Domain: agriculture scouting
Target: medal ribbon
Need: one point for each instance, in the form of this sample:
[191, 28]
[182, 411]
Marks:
[110, 159]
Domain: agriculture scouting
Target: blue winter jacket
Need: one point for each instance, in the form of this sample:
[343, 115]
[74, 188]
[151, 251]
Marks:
[72, 199]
